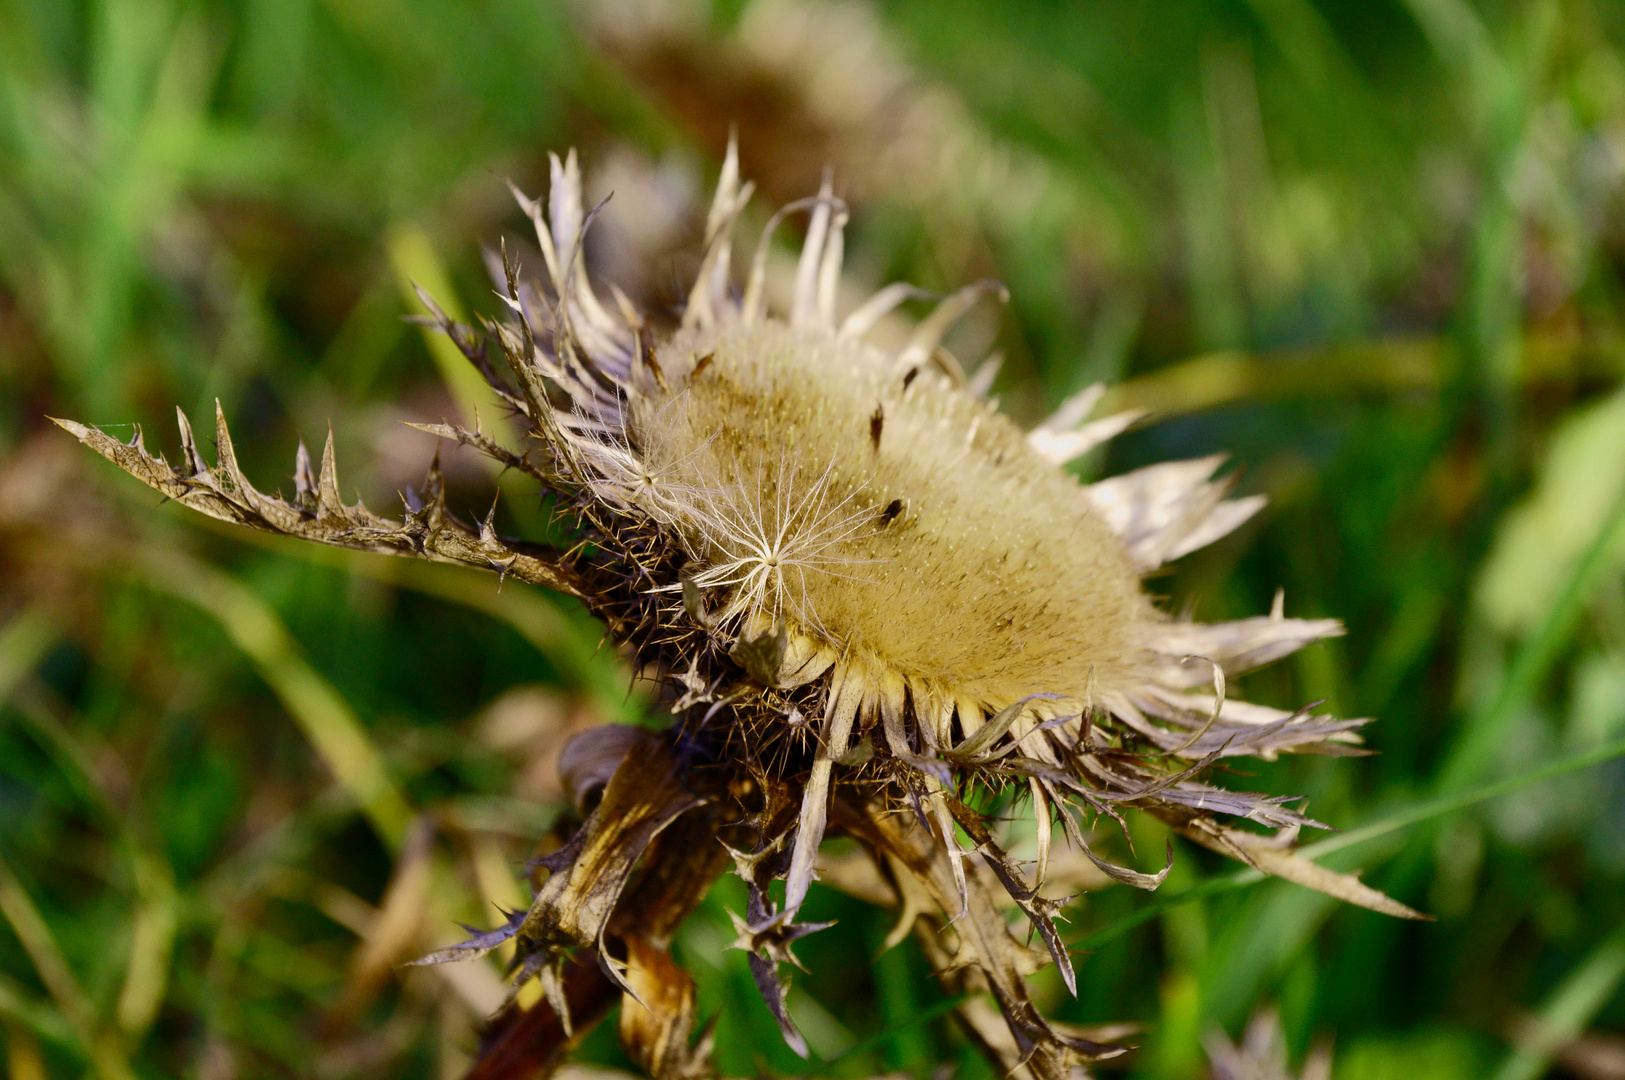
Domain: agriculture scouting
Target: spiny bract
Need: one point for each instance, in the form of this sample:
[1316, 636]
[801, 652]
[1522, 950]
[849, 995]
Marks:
[864, 591]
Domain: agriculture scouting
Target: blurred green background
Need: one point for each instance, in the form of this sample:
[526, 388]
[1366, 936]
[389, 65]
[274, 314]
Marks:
[1375, 250]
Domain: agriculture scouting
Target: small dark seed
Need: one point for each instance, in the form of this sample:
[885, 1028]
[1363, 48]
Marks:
[876, 422]
[654, 366]
[893, 508]
[705, 362]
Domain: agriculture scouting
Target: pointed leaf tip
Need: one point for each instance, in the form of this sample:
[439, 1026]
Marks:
[72, 427]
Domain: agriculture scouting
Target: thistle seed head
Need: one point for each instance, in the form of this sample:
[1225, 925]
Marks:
[887, 518]
[864, 590]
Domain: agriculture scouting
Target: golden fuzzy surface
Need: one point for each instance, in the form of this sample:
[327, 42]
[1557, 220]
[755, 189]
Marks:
[892, 516]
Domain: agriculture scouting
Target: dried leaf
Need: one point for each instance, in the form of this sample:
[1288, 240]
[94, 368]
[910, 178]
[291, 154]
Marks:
[318, 513]
[1132, 877]
[658, 1015]
[589, 759]
[767, 947]
[773, 990]
[478, 944]
[647, 793]
[682, 862]
[1261, 854]
[1266, 810]
[524, 1044]
[1040, 912]
[976, 951]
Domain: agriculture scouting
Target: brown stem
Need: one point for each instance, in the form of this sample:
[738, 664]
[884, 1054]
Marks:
[528, 1044]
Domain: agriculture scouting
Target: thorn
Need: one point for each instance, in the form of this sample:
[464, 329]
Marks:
[304, 484]
[434, 487]
[194, 466]
[488, 534]
[327, 482]
[503, 568]
[428, 301]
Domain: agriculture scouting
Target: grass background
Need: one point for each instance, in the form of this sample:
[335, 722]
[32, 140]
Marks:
[1372, 250]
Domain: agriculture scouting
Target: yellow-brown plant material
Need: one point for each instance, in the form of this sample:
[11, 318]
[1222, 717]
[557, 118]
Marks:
[873, 602]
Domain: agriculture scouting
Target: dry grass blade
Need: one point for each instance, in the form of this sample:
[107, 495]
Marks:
[102, 1048]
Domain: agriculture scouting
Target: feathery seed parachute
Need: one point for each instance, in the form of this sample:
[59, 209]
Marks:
[873, 603]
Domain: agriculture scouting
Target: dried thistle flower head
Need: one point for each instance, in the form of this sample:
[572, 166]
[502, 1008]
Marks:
[900, 529]
[866, 591]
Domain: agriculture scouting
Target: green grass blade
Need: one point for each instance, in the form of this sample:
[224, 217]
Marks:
[1534, 660]
[325, 718]
[881, 1038]
[23, 644]
[1570, 1009]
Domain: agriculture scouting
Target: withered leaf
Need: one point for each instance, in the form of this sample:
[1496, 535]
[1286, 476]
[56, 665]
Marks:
[1132, 877]
[658, 1015]
[1261, 854]
[521, 1043]
[478, 944]
[765, 948]
[1039, 912]
[318, 513]
[589, 759]
[647, 793]
[977, 950]
[644, 796]
[773, 991]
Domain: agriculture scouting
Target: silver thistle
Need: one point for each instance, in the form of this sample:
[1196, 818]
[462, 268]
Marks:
[872, 601]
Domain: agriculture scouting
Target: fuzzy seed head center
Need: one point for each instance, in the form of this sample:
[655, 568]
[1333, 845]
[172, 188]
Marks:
[886, 514]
